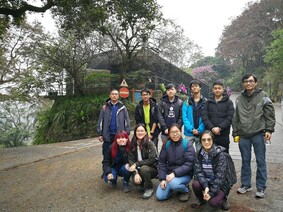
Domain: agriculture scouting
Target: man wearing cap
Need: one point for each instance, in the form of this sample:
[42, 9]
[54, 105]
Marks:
[217, 114]
[191, 113]
[169, 110]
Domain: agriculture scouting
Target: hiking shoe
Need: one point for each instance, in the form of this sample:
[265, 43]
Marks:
[226, 206]
[243, 189]
[259, 194]
[197, 204]
[184, 197]
[126, 187]
[147, 194]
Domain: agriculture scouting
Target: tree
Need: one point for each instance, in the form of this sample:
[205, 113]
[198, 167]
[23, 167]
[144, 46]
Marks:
[206, 74]
[243, 42]
[17, 59]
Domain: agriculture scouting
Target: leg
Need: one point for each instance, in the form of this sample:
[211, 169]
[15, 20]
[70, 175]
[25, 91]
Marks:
[155, 141]
[261, 172]
[147, 173]
[163, 194]
[123, 172]
[180, 184]
[198, 189]
[223, 140]
[105, 147]
[218, 200]
[246, 173]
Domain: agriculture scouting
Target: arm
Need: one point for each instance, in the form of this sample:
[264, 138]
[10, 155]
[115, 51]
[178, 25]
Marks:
[205, 117]
[162, 168]
[180, 120]
[138, 116]
[187, 117]
[160, 116]
[127, 121]
[199, 173]
[235, 121]
[269, 115]
[151, 153]
[100, 122]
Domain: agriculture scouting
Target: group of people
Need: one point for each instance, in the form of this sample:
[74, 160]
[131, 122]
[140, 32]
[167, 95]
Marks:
[201, 155]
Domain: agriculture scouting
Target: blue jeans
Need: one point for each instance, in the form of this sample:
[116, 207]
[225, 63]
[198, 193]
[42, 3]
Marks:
[245, 146]
[177, 184]
[122, 172]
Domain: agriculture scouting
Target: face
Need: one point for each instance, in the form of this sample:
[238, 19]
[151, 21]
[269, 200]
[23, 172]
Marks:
[195, 88]
[217, 90]
[249, 84]
[145, 96]
[206, 142]
[114, 96]
[140, 132]
[122, 141]
[175, 134]
[171, 92]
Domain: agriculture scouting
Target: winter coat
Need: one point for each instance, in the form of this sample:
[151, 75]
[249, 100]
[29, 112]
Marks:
[219, 166]
[188, 116]
[139, 115]
[149, 155]
[163, 111]
[218, 114]
[122, 119]
[108, 161]
[254, 114]
[175, 159]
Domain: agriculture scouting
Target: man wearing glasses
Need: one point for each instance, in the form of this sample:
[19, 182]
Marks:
[254, 122]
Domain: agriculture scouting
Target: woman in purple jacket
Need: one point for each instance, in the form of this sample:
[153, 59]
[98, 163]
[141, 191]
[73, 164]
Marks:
[175, 166]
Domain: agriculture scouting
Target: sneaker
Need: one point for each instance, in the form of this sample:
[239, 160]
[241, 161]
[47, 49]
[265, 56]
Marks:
[226, 206]
[147, 194]
[184, 197]
[243, 189]
[197, 204]
[126, 187]
[260, 193]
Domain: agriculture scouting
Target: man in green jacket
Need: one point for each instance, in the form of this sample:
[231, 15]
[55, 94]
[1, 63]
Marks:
[254, 122]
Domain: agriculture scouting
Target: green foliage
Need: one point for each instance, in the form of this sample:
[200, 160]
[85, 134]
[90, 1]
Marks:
[69, 119]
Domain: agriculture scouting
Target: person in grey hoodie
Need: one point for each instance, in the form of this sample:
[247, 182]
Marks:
[254, 122]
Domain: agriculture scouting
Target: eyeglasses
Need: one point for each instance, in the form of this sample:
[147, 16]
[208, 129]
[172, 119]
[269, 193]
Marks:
[175, 133]
[249, 81]
[206, 139]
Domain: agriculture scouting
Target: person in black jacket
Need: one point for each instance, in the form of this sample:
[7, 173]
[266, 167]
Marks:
[115, 160]
[211, 184]
[169, 110]
[146, 113]
[217, 115]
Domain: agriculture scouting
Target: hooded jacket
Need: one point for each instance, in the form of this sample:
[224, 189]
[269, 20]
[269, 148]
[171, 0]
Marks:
[139, 115]
[218, 114]
[163, 111]
[254, 114]
[219, 164]
[188, 116]
[176, 160]
[122, 120]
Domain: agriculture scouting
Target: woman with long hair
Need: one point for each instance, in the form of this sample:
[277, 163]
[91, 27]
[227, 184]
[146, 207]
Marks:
[143, 160]
[115, 160]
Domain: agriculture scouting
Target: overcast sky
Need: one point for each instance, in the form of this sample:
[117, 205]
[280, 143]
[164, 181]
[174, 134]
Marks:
[202, 20]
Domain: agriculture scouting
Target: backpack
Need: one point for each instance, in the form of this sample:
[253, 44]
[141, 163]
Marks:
[231, 171]
[184, 144]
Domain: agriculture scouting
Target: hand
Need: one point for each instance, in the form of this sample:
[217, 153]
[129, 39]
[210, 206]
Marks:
[216, 130]
[170, 177]
[163, 184]
[267, 136]
[137, 179]
[195, 132]
[150, 136]
[166, 131]
[206, 196]
[110, 176]
[100, 138]
[132, 168]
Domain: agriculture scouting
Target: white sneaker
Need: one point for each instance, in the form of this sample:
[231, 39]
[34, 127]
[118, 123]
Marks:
[244, 189]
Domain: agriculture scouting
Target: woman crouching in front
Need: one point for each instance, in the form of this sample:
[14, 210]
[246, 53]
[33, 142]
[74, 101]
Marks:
[210, 184]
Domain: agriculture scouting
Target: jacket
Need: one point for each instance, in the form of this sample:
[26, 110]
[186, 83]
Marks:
[122, 119]
[188, 116]
[218, 114]
[139, 115]
[219, 164]
[163, 111]
[108, 161]
[149, 155]
[176, 160]
[254, 114]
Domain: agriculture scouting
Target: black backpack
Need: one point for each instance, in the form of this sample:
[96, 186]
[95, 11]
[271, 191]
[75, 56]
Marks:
[231, 171]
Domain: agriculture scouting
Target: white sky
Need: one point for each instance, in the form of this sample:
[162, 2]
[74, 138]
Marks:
[202, 20]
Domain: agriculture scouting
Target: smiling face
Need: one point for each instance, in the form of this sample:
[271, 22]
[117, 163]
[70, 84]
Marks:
[206, 142]
[249, 84]
[175, 134]
[145, 96]
[140, 132]
[121, 141]
[218, 90]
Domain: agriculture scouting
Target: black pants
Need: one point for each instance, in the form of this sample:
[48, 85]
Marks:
[223, 140]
